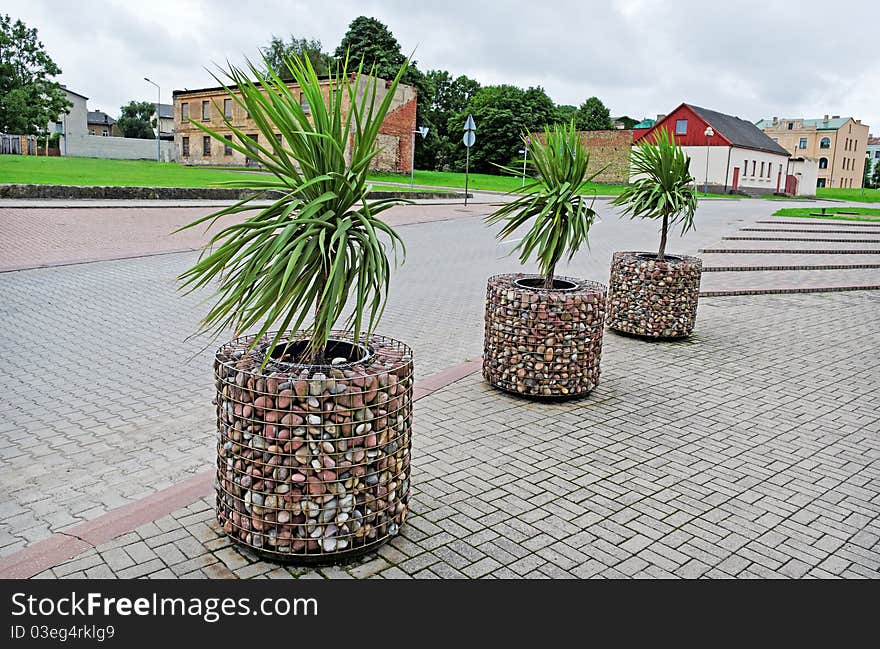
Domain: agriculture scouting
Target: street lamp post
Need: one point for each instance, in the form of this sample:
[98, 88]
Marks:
[423, 131]
[158, 121]
[709, 132]
[525, 152]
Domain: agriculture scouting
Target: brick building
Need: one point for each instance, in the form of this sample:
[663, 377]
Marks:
[212, 105]
[609, 149]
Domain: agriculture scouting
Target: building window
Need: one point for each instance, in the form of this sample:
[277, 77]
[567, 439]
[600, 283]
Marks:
[820, 182]
[776, 139]
[790, 126]
[279, 138]
[802, 144]
[304, 104]
[745, 167]
[184, 143]
[877, 154]
[227, 148]
[681, 127]
[105, 132]
[823, 163]
[206, 111]
[754, 164]
[184, 110]
[206, 146]
[762, 169]
[825, 143]
[227, 108]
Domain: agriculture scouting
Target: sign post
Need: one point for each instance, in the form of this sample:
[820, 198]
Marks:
[469, 138]
[423, 131]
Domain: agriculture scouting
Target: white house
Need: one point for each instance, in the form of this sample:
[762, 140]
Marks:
[74, 123]
[729, 154]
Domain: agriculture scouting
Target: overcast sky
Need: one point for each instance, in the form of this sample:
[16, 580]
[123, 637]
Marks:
[641, 57]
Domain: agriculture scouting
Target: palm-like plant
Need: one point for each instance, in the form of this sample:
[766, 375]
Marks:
[554, 199]
[664, 189]
[321, 241]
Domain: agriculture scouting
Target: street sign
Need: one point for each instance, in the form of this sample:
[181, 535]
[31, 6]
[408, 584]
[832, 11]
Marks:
[468, 139]
[423, 131]
[469, 125]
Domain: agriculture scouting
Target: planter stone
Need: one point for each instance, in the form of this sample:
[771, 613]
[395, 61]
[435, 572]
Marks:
[313, 461]
[655, 299]
[543, 343]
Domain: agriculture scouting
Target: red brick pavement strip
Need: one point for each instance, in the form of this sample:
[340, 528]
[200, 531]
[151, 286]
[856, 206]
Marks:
[780, 290]
[838, 224]
[779, 251]
[48, 237]
[62, 546]
[800, 239]
[724, 269]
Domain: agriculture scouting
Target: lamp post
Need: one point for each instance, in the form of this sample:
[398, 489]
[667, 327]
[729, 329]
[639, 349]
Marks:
[423, 131]
[525, 152]
[158, 121]
[709, 132]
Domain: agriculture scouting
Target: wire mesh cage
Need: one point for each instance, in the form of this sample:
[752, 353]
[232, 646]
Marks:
[313, 461]
[543, 342]
[655, 299]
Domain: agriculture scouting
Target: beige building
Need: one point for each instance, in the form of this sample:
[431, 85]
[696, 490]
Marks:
[213, 106]
[838, 143]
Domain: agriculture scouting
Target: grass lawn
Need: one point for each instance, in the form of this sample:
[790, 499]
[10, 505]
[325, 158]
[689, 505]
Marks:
[861, 213]
[855, 195]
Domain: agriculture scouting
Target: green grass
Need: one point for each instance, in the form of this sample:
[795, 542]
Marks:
[855, 195]
[862, 213]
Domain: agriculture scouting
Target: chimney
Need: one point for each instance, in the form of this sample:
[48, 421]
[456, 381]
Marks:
[858, 121]
[660, 116]
[835, 117]
[775, 120]
[825, 119]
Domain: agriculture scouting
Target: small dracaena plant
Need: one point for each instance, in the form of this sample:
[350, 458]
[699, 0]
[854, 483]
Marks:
[561, 215]
[320, 244]
[664, 187]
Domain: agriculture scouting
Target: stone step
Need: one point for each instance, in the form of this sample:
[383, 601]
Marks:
[836, 223]
[789, 279]
[809, 259]
[814, 239]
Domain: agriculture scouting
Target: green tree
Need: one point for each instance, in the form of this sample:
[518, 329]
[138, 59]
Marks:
[593, 115]
[866, 178]
[561, 215]
[136, 119]
[628, 122]
[29, 98]
[448, 98]
[501, 113]
[278, 51]
[565, 114]
[875, 176]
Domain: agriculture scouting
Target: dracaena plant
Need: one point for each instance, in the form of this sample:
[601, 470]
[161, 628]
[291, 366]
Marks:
[664, 187]
[553, 201]
[298, 261]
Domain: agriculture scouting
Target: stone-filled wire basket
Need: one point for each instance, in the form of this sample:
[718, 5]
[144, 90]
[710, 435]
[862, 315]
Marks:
[654, 299]
[540, 342]
[313, 461]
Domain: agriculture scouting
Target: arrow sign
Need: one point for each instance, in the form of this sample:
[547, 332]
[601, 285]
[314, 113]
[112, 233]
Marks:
[468, 139]
[423, 131]
[469, 125]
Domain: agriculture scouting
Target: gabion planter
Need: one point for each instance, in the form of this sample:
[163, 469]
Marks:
[656, 299]
[543, 343]
[313, 462]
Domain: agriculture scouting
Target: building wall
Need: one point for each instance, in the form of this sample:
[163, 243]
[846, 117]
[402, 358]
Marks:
[122, 148]
[695, 129]
[807, 172]
[609, 149]
[395, 132]
[873, 152]
[844, 155]
[74, 123]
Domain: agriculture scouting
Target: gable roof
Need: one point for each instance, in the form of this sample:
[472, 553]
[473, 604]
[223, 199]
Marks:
[100, 117]
[740, 132]
[832, 124]
[166, 110]
[645, 123]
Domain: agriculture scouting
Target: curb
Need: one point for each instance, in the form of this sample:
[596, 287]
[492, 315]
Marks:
[726, 269]
[801, 239]
[75, 540]
[782, 291]
[774, 251]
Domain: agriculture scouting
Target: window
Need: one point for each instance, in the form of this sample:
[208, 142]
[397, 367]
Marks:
[762, 169]
[745, 167]
[184, 143]
[820, 182]
[227, 148]
[91, 131]
[252, 148]
[802, 144]
[681, 127]
[206, 111]
[304, 104]
[823, 163]
[206, 146]
[825, 143]
[105, 132]
[754, 164]
[776, 139]
[278, 138]
[790, 126]
[877, 154]
[184, 110]
[227, 108]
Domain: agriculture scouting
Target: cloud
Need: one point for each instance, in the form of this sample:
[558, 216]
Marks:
[642, 57]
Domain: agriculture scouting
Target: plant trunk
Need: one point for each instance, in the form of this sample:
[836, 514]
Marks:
[660, 255]
[319, 353]
[548, 278]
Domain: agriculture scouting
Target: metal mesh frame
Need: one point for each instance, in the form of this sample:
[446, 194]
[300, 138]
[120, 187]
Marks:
[313, 462]
[653, 299]
[543, 342]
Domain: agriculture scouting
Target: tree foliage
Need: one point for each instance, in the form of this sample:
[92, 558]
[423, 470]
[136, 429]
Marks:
[29, 98]
[664, 187]
[875, 175]
[447, 99]
[561, 215]
[136, 119]
[627, 121]
[308, 253]
[278, 51]
[593, 115]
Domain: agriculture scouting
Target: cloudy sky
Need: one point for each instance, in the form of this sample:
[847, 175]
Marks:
[641, 57]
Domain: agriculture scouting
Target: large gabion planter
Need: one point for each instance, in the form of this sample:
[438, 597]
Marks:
[544, 343]
[656, 299]
[313, 462]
